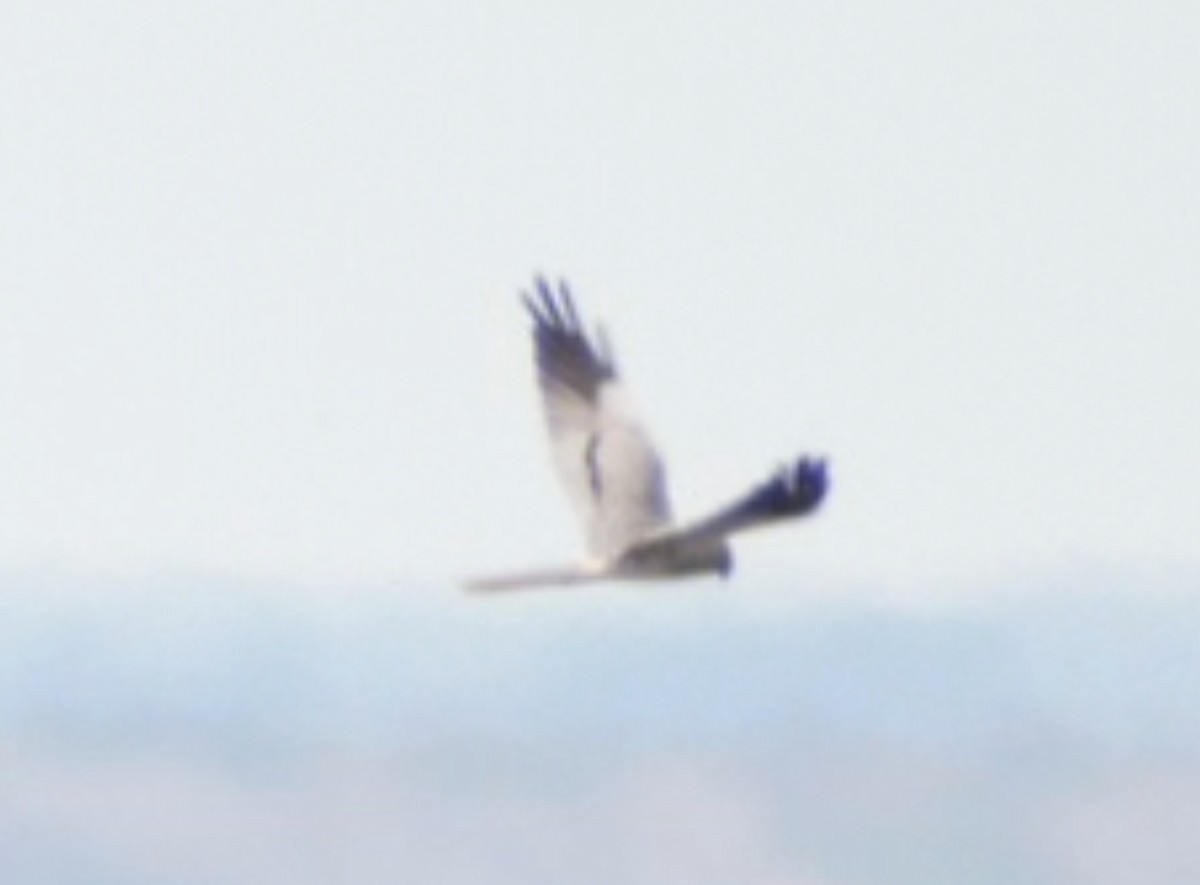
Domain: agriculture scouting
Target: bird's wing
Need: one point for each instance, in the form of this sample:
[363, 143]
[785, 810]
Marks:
[794, 490]
[604, 457]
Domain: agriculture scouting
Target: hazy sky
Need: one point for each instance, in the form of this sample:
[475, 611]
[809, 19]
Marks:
[258, 268]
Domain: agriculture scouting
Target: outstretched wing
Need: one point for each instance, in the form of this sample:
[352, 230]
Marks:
[796, 489]
[603, 455]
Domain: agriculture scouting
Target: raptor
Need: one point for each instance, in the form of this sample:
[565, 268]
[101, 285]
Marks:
[614, 477]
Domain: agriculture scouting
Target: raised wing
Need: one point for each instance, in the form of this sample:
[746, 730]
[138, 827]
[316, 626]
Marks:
[603, 455]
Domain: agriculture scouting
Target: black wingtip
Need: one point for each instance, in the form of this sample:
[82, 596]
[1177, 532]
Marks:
[565, 352]
[809, 482]
[797, 489]
[551, 307]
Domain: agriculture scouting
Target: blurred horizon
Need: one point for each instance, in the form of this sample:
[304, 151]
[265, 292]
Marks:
[192, 729]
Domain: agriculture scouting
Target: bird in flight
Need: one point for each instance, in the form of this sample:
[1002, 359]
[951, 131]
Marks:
[614, 478]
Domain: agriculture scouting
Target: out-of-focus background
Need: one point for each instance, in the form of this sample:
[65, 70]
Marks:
[184, 730]
[265, 397]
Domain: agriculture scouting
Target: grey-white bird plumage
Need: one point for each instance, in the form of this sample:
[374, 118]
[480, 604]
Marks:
[614, 477]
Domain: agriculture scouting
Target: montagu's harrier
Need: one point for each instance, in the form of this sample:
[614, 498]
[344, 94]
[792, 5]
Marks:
[614, 477]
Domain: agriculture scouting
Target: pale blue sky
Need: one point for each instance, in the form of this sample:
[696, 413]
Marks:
[258, 265]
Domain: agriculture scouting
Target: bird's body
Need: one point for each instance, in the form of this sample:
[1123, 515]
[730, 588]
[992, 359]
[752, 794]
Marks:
[614, 477]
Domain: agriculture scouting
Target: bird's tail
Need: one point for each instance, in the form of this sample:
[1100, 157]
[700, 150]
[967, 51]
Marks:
[558, 576]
